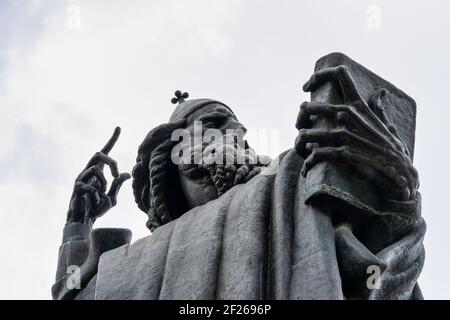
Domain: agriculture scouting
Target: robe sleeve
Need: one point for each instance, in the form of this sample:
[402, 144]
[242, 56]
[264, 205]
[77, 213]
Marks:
[72, 253]
[79, 255]
[399, 265]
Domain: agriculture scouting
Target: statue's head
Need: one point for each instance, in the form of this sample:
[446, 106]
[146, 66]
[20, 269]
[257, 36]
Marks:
[194, 158]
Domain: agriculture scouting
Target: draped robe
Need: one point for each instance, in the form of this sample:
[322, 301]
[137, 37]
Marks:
[259, 240]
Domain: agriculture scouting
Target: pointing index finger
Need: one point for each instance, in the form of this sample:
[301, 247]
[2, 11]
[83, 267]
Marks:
[112, 141]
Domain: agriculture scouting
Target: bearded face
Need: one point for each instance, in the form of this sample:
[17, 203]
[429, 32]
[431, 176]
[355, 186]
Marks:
[175, 171]
[224, 163]
[210, 168]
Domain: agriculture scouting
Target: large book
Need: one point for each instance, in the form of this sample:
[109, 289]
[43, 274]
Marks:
[333, 186]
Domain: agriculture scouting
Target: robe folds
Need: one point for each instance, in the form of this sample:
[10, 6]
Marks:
[257, 241]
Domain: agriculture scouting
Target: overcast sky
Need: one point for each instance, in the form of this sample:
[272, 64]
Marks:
[70, 71]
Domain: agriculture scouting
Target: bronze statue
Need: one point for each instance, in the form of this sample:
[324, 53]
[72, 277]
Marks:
[335, 217]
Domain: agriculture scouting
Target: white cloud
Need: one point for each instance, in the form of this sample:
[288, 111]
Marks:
[62, 92]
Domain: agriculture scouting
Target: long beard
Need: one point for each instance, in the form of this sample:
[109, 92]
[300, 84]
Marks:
[227, 163]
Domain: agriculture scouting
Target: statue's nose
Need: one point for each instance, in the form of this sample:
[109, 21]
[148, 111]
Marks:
[237, 127]
[238, 131]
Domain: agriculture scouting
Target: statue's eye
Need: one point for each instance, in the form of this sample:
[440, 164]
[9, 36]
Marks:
[208, 123]
[214, 122]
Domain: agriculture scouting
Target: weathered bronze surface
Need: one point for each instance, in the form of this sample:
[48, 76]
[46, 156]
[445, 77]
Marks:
[335, 217]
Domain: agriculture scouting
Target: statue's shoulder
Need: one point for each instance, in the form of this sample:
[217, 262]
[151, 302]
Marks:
[135, 249]
[287, 160]
[134, 268]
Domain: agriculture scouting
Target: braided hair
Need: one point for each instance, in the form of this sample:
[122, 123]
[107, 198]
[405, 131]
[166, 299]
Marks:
[151, 176]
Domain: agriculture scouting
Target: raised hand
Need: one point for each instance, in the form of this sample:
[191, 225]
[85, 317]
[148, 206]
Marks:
[89, 198]
[361, 138]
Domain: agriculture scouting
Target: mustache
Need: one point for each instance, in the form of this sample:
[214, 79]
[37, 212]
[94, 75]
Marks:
[209, 157]
[225, 162]
[225, 151]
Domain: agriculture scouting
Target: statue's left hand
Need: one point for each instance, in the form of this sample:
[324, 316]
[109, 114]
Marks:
[360, 138]
[89, 198]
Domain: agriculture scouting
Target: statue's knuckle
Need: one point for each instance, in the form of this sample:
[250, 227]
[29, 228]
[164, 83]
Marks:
[301, 133]
[304, 105]
[350, 109]
[340, 133]
[313, 155]
[341, 114]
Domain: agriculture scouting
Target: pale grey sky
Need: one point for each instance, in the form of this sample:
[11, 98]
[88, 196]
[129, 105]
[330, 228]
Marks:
[70, 71]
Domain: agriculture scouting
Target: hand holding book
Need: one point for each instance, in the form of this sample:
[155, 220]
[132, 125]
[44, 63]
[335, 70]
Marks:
[358, 134]
[356, 137]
